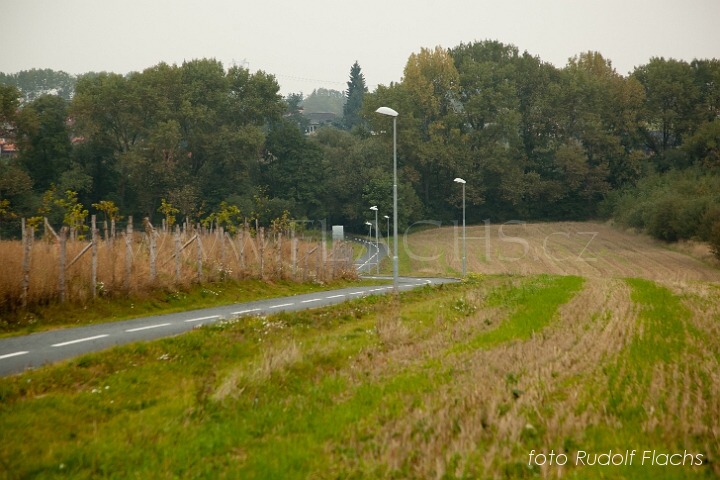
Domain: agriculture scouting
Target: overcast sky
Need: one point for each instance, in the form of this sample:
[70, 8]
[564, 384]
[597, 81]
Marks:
[311, 44]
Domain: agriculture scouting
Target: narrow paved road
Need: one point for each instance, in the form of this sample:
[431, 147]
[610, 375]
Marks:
[20, 353]
[368, 262]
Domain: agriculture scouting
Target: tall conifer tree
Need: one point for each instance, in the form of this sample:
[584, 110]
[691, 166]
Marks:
[355, 92]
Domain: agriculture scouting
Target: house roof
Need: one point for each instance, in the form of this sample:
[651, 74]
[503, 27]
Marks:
[7, 147]
[320, 117]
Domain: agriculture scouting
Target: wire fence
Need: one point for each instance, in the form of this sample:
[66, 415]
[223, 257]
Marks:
[48, 266]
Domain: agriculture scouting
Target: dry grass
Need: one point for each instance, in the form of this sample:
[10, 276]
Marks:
[223, 257]
[490, 406]
[390, 328]
[494, 393]
[274, 360]
[278, 358]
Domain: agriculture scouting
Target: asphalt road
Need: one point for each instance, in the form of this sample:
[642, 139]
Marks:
[20, 353]
[368, 262]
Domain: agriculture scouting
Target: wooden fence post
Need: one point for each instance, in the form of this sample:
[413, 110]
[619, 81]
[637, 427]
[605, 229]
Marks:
[223, 263]
[293, 252]
[178, 251]
[279, 259]
[323, 252]
[93, 267]
[63, 254]
[28, 236]
[128, 253]
[242, 249]
[333, 260]
[319, 265]
[306, 271]
[111, 240]
[199, 256]
[260, 237]
[153, 248]
[49, 228]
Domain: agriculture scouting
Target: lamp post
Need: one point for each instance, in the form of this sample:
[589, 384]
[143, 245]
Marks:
[461, 181]
[388, 229]
[369, 224]
[377, 240]
[392, 113]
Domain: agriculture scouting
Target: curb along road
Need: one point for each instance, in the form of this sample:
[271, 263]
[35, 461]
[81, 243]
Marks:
[29, 351]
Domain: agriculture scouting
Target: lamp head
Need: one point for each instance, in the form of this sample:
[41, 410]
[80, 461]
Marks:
[387, 111]
[459, 180]
[374, 207]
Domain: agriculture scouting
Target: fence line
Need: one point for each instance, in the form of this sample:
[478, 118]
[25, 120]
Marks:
[37, 272]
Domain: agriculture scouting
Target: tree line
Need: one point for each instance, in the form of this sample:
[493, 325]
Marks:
[533, 141]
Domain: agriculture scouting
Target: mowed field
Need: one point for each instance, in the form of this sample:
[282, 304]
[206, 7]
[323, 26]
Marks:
[568, 248]
[603, 354]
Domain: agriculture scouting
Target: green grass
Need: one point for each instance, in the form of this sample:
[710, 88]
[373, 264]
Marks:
[325, 394]
[119, 420]
[533, 304]
[625, 387]
[46, 317]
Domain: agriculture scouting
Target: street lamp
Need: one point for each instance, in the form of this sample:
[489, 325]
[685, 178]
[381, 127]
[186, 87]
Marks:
[388, 228]
[377, 240]
[369, 224]
[392, 113]
[461, 181]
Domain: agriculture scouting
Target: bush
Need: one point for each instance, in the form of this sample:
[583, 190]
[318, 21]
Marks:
[689, 212]
[673, 206]
[708, 221]
[715, 239]
[662, 221]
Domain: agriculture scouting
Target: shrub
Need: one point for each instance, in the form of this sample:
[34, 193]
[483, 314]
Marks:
[715, 239]
[662, 220]
[689, 214]
[672, 206]
[708, 221]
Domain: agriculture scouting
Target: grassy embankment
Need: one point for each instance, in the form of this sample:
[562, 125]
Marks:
[156, 302]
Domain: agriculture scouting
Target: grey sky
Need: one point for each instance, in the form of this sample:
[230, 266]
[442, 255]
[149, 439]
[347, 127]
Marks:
[312, 44]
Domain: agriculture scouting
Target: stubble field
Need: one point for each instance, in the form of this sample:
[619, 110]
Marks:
[604, 353]
[563, 248]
